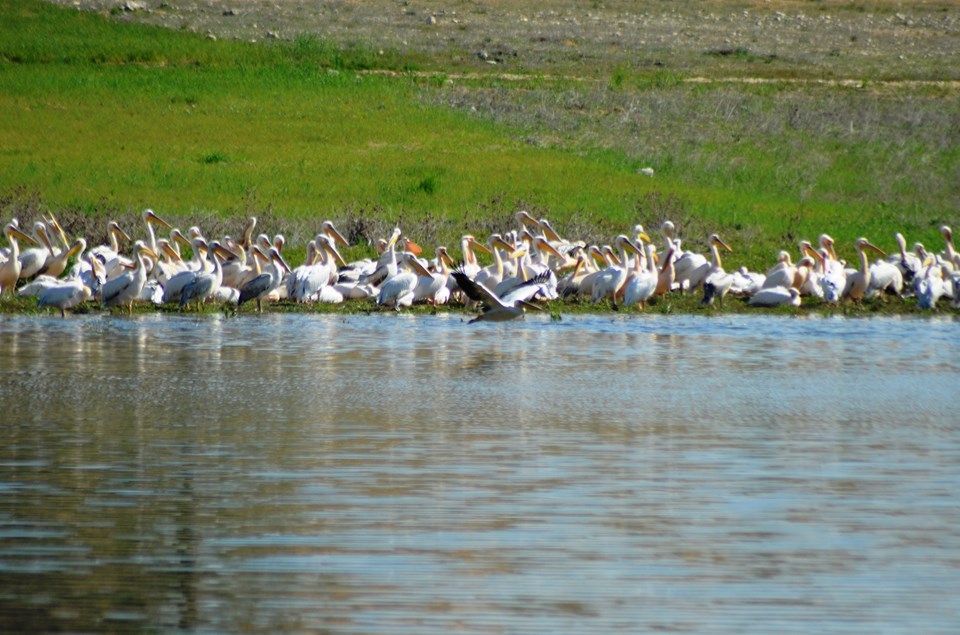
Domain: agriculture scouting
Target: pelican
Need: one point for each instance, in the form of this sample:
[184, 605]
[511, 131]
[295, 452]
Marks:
[611, 279]
[908, 263]
[261, 286]
[150, 219]
[716, 282]
[126, 288]
[10, 268]
[949, 256]
[643, 284]
[397, 289]
[746, 282]
[859, 281]
[386, 264]
[33, 260]
[175, 285]
[206, 283]
[782, 274]
[775, 296]
[108, 253]
[508, 307]
[65, 295]
[929, 284]
[685, 263]
[57, 263]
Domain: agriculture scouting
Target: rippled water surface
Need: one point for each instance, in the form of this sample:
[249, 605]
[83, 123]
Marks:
[394, 474]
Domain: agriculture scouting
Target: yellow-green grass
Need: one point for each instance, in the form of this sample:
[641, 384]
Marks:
[98, 116]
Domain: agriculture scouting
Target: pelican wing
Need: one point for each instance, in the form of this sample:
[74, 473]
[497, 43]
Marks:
[255, 288]
[526, 291]
[476, 291]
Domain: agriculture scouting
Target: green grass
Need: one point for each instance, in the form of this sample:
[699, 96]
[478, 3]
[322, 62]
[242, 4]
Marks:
[104, 118]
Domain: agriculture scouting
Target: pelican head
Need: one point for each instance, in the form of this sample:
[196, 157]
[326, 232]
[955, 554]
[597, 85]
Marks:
[715, 240]
[863, 243]
[526, 219]
[149, 216]
[327, 228]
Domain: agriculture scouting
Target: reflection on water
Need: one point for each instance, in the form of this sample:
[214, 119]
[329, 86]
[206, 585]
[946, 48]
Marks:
[371, 474]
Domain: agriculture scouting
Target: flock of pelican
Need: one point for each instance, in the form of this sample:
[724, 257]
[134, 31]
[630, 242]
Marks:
[532, 262]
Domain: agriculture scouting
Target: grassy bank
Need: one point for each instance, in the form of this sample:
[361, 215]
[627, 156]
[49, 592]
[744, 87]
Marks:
[103, 119]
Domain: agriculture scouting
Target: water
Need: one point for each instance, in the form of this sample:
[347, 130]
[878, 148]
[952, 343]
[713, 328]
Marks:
[395, 474]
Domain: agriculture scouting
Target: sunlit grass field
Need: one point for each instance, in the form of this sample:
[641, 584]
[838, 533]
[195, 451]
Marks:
[102, 118]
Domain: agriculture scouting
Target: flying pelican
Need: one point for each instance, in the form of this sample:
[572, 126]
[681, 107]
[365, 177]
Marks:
[258, 288]
[126, 288]
[775, 296]
[508, 307]
[859, 281]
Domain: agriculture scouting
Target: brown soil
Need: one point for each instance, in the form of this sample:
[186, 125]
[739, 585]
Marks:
[775, 38]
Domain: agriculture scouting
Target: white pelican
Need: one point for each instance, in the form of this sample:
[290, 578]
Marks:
[949, 255]
[108, 253]
[492, 275]
[126, 288]
[643, 284]
[65, 295]
[569, 285]
[908, 263]
[716, 282]
[508, 307]
[609, 282]
[783, 273]
[397, 289]
[746, 282]
[206, 283]
[10, 268]
[386, 264]
[859, 281]
[175, 285]
[150, 219]
[929, 284]
[685, 263]
[57, 263]
[261, 286]
[775, 296]
[33, 260]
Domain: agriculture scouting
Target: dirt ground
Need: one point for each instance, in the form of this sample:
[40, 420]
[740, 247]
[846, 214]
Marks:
[809, 38]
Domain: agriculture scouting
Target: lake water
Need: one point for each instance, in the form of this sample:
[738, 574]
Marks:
[396, 474]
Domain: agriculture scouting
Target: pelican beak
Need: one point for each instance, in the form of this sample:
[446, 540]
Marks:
[224, 253]
[419, 268]
[644, 237]
[875, 248]
[548, 231]
[115, 229]
[336, 255]
[170, 251]
[527, 219]
[547, 247]
[332, 232]
[77, 246]
[60, 232]
[393, 240]
[530, 305]
[480, 246]
[446, 257]
[518, 253]
[156, 220]
[13, 231]
[724, 245]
